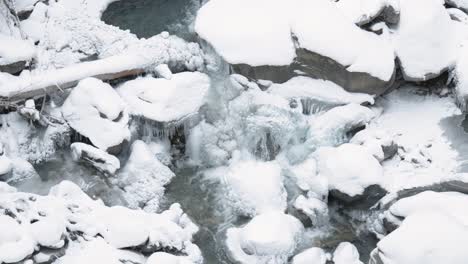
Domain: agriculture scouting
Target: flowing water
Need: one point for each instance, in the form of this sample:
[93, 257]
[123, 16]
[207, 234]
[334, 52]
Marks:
[200, 196]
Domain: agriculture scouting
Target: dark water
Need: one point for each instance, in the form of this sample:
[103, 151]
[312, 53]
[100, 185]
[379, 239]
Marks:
[147, 18]
[456, 130]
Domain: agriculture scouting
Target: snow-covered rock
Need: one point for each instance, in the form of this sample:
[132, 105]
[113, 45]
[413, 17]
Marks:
[378, 142]
[318, 91]
[462, 4]
[255, 187]
[346, 253]
[96, 158]
[312, 255]
[333, 127]
[143, 178]
[166, 100]
[67, 217]
[425, 237]
[14, 53]
[365, 63]
[268, 238]
[350, 170]
[166, 258]
[364, 11]
[426, 40]
[95, 110]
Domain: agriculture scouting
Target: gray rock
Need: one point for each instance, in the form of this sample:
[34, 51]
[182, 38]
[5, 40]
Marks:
[390, 150]
[13, 68]
[372, 194]
[319, 67]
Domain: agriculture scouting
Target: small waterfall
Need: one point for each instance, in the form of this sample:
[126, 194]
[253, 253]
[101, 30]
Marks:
[311, 106]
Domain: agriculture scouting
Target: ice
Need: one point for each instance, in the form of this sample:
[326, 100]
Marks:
[312, 255]
[143, 178]
[97, 112]
[166, 100]
[349, 168]
[346, 253]
[255, 187]
[268, 238]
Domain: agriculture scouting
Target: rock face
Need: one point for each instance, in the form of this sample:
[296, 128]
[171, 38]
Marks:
[319, 67]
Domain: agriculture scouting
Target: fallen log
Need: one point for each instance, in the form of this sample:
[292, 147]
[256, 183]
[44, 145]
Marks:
[32, 87]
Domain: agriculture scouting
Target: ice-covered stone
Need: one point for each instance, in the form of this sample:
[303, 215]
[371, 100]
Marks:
[95, 110]
[143, 178]
[268, 238]
[96, 158]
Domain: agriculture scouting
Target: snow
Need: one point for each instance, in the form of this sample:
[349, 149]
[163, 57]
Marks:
[451, 204]
[143, 178]
[414, 122]
[255, 187]
[98, 158]
[268, 238]
[166, 100]
[263, 35]
[48, 220]
[363, 11]
[426, 40]
[166, 258]
[462, 4]
[5, 164]
[95, 110]
[349, 168]
[427, 237]
[14, 50]
[346, 253]
[319, 90]
[312, 255]
[374, 141]
[240, 40]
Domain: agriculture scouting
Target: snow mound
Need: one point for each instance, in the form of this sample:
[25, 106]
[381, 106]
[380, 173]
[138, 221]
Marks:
[15, 50]
[318, 90]
[346, 253]
[268, 238]
[264, 34]
[143, 178]
[255, 187]
[67, 216]
[166, 100]
[312, 255]
[349, 168]
[95, 110]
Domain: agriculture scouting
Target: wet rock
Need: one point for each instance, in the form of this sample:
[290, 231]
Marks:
[13, 68]
[369, 198]
[319, 67]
